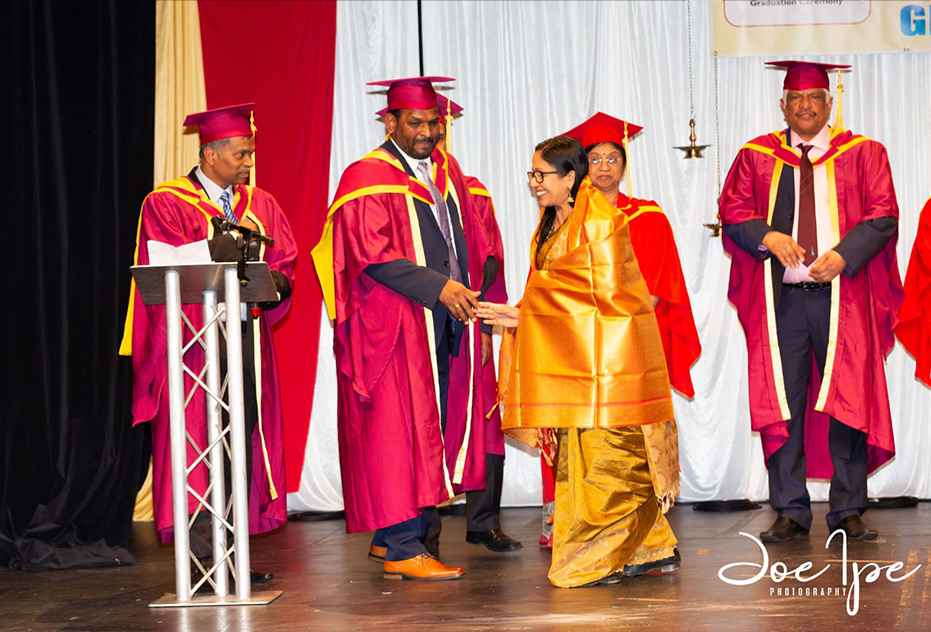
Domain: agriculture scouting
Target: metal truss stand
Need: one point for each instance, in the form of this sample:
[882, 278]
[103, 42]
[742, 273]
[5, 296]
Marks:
[208, 284]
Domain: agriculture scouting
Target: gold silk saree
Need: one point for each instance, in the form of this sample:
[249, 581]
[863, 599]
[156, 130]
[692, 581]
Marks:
[585, 368]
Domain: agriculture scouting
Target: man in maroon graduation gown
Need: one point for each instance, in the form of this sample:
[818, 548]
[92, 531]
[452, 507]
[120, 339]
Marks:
[395, 264]
[810, 220]
[179, 212]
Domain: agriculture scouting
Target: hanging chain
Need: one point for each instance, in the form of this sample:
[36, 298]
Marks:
[688, 13]
[717, 125]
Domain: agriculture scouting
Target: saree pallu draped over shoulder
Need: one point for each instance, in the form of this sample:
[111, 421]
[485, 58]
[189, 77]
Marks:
[587, 350]
[587, 358]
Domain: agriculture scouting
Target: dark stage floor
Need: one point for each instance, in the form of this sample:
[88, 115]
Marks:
[329, 585]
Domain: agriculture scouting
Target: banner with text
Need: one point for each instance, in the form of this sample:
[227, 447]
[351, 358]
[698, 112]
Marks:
[812, 27]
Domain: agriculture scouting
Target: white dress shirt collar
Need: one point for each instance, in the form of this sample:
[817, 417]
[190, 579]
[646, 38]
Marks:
[213, 190]
[821, 142]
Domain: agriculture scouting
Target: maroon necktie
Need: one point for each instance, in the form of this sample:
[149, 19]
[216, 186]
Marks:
[807, 224]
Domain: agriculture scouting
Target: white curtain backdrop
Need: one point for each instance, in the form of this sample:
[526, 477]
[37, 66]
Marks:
[526, 71]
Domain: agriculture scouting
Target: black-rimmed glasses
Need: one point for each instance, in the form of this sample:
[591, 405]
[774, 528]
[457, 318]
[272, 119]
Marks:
[538, 175]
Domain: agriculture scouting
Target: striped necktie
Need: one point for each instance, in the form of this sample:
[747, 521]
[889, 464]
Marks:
[227, 209]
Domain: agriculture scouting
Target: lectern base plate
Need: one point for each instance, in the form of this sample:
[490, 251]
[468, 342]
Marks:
[260, 598]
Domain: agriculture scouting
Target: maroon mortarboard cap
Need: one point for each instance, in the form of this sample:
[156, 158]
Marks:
[228, 122]
[805, 75]
[413, 93]
[447, 107]
[603, 128]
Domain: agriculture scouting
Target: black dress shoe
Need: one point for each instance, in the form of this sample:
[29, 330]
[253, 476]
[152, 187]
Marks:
[783, 530]
[255, 577]
[658, 567]
[432, 545]
[614, 578]
[495, 539]
[855, 529]
[258, 577]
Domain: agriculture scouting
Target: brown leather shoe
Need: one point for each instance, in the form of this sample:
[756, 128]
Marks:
[783, 530]
[377, 553]
[855, 529]
[424, 567]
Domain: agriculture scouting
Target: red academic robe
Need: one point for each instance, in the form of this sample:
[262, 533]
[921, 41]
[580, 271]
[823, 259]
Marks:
[178, 212]
[490, 236]
[655, 247]
[393, 457]
[914, 328]
[863, 307]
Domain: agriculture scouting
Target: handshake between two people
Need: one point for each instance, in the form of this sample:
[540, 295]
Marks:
[465, 307]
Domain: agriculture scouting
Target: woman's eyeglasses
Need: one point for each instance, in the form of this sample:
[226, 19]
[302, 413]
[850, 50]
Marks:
[538, 175]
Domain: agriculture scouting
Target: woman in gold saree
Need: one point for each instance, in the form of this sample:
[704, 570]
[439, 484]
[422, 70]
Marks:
[582, 366]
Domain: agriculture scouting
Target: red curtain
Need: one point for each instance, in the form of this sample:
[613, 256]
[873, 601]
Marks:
[281, 55]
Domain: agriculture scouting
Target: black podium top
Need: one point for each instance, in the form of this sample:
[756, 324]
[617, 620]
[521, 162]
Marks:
[197, 278]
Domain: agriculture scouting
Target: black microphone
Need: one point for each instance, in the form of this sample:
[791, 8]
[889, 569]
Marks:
[224, 225]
